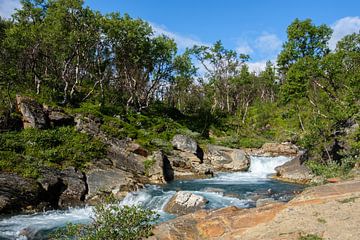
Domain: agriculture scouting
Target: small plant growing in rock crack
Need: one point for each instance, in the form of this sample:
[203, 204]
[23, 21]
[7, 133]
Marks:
[148, 164]
[310, 237]
[321, 220]
[110, 222]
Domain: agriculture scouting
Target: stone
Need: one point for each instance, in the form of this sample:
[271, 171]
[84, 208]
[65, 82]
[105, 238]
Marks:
[279, 149]
[160, 169]
[185, 144]
[87, 124]
[33, 115]
[295, 170]
[109, 180]
[223, 158]
[185, 202]
[264, 201]
[17, 193]
[75, 191]
[59, 118]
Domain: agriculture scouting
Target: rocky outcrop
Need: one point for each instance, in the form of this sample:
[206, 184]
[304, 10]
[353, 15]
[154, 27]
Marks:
[312, 212]
[57, 116]
[17, 193]
[76, 188]
[223, 158]
[87, 124]
[274, 150]
[103, 181]
[159, 169]
[295, 170]
[63, 188]
[33, 115]
[185, 202]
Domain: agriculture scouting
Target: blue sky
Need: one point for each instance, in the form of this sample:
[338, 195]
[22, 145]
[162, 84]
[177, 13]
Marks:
[254, 27]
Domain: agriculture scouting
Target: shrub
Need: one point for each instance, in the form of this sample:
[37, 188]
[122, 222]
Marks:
[26, 151]
[112, 222]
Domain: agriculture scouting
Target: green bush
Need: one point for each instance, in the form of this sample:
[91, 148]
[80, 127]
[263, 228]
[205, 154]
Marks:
[26, 151]
[328, 170]
[112, 222]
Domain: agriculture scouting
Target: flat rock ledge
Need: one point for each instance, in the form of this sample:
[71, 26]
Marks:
[329, 211]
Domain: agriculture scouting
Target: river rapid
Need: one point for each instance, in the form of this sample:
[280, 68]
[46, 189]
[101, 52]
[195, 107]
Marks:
[240, 189]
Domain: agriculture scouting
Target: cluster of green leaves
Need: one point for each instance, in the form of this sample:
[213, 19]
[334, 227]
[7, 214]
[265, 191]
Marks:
[112, 222]
[27, 151]
[310, 237]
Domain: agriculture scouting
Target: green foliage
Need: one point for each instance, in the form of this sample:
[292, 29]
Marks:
[328, 170]
[27, 151]
[148, 164]
[310, 237]
[112, 222]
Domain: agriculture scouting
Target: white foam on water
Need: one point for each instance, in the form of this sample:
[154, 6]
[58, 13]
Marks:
[260, 169]
[12, 228]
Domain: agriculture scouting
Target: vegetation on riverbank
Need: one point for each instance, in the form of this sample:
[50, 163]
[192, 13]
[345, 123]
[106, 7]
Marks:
[115, 68]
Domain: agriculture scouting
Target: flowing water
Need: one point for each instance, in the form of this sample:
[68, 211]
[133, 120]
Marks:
[240, 189]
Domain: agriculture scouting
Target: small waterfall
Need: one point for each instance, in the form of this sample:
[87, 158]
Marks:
[226, 189]
[263, 166]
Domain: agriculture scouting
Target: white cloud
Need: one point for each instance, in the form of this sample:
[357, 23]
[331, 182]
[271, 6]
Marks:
[181, 40]
[343, 27]
[268, 43]
[7, 7]
[243, 47]
[258, 66]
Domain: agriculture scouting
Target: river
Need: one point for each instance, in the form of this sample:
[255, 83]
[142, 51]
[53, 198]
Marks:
[240, 189]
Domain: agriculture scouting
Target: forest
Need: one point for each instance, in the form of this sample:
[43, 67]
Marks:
[115, 67]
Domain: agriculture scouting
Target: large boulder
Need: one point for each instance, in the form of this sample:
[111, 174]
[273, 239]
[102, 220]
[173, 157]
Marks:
[185, 144]
[185, 202]
[276, 149]
[158, 168]
[58, 117]
[75, 191]
[109, 180]
[33, 115]
[223, 158]
[17, 193]
[295, 170]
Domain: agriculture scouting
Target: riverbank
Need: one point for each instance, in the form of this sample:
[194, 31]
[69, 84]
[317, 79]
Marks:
[329, 211]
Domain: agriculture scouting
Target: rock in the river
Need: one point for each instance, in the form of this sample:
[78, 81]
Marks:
[33, 115]
[185, 202]
[185, 143]
[223, 158]
[159, 169]
[17, 193]
[109, 180]
[294, 170]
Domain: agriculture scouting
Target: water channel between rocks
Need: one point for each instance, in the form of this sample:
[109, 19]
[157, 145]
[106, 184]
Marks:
[241, 189]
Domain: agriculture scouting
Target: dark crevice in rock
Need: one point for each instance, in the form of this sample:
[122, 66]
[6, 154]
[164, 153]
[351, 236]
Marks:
[168, 171]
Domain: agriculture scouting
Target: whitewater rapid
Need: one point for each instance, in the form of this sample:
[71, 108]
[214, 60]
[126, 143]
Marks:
[226, 189]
